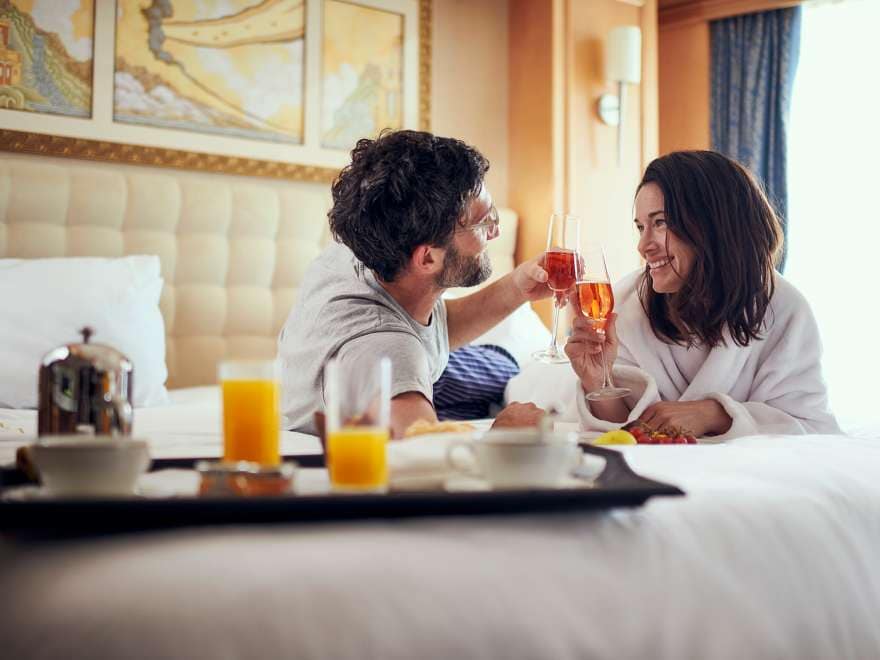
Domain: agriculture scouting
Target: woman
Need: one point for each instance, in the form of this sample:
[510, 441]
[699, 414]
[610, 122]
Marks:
[708, 337]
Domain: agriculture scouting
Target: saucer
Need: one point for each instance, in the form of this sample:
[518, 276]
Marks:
[587, 471]
[33, 493]
[467, 484]
[25, 493]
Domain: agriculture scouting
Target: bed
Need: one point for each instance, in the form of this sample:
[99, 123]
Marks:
[771, 554]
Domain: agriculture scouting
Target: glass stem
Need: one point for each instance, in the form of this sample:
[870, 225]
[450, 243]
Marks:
[554, 347]
[606, 380]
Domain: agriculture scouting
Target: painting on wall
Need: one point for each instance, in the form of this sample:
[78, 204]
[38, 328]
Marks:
[46, 56]
[362, 73]
[277, 88]
[230, 67]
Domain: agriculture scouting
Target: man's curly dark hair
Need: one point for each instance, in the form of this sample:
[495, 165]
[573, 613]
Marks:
[402, 190]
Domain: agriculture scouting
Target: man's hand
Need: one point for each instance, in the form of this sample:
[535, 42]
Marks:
[530, 280]
[518, 415]
[705, 417]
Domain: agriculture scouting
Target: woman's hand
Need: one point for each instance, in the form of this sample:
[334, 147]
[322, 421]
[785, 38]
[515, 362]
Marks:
[584, 349]
[705, 417]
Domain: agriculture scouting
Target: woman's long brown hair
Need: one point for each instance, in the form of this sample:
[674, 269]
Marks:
[716, 206]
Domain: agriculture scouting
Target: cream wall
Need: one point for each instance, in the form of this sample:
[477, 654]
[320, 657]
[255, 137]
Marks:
[469, 81]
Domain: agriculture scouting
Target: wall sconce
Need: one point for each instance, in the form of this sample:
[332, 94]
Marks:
[623, 64]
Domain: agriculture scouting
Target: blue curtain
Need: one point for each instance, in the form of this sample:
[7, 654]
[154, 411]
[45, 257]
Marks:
[754, 59]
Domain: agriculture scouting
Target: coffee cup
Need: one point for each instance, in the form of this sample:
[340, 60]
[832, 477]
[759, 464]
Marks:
[104, 466]
[517, 458]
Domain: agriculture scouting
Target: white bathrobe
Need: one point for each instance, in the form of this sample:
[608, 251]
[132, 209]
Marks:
[773, 385]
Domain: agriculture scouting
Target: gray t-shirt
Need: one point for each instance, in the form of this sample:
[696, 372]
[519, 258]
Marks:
[342, 311]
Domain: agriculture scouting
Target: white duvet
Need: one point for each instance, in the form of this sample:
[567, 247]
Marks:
[772, 554]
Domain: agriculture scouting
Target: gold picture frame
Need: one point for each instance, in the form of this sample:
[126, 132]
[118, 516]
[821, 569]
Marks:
[83, 138]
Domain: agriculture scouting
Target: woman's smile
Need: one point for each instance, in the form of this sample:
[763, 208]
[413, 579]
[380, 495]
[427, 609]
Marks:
[660, 263]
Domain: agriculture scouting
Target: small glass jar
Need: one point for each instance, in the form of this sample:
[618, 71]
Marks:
[244, 478]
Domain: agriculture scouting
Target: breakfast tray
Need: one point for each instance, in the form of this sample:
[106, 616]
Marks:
[617, 486]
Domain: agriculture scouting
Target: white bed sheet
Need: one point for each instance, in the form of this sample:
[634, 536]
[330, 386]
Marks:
[190, 425]
[772, 554]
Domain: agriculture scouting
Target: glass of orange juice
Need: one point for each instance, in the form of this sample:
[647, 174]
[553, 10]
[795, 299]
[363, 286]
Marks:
[358, 408]
[251, 419]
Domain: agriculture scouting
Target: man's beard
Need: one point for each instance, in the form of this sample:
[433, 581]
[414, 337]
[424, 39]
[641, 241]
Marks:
[464, 271]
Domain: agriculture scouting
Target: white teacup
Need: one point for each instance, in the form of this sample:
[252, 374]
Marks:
[90, 466]
[518, 458]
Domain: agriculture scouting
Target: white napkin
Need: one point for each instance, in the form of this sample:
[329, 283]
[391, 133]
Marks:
[420, 463]
[173, 482]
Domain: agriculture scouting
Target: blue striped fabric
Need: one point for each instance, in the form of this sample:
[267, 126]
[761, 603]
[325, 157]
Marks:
[473, 381]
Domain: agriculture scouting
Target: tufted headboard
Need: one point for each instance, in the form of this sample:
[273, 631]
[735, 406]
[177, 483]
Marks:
[233, 249]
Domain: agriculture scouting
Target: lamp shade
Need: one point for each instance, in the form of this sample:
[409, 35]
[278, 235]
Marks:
[623, 55]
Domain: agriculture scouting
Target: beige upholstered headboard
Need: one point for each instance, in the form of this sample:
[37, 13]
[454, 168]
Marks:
[233, 250]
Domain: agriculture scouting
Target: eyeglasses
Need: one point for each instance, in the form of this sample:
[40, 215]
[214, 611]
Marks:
[491, 221]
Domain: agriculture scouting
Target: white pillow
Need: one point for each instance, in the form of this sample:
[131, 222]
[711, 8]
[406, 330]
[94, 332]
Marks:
[46, 302]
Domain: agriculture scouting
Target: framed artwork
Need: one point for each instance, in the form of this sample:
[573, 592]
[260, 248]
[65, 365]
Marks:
[222, 67]
[46, 56]
[361, 72]
[280, 88]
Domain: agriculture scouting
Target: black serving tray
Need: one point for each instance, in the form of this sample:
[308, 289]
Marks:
[617, 486]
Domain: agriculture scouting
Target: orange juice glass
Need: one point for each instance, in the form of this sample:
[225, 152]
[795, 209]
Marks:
[358, 458]
[251, 419]
[357, 407]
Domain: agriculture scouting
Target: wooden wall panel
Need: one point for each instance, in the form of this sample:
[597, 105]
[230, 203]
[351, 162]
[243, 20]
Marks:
[684, 87]
[530, 124]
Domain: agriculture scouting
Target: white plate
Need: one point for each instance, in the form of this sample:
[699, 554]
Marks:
[159, 484]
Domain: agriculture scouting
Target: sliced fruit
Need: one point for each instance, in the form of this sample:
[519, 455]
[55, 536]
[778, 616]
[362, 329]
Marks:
[618, 437]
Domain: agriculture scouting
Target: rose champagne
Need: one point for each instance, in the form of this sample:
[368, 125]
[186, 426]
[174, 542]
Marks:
[596, 299]
[560, 267]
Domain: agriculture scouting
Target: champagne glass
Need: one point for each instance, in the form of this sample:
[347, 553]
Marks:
[560, 259]
[596, 302]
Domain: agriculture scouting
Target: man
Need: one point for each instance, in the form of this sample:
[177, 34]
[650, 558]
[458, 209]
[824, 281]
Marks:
[411, 217]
